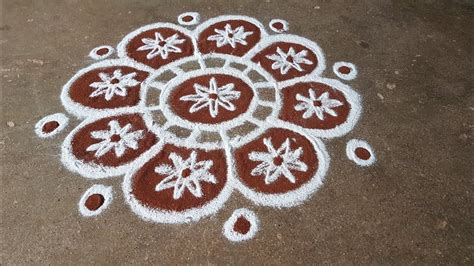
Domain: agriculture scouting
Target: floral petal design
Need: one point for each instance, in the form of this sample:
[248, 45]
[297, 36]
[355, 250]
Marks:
[179, 185]
[102, 87]
[211, 98]
[107, 146]
[326, 106]
[157, 45]
[280, 168]
[234, 35]
[287, 56]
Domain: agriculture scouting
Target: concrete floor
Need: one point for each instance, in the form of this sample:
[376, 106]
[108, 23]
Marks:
[413, 206]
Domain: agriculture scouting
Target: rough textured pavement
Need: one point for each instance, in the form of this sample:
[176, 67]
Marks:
[413, 206]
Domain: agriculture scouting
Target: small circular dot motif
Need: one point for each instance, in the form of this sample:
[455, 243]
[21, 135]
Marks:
[94, 202]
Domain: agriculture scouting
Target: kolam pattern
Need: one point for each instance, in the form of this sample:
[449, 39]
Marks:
[187, 116]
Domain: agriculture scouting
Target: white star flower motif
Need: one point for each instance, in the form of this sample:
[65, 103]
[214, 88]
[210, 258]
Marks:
[318, 106]
[286, 61]
[185, 174]
[116, 84]
[276, 163]
[212, 97]
[230, 36]
[117, 138]
[161, 46]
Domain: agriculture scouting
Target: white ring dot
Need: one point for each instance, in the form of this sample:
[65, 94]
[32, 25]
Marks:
[242, 225]
[95, 200]
[345, 70]
[189, 18]
[51, 125]
[101, 52]
[360, 152]
[278, 25]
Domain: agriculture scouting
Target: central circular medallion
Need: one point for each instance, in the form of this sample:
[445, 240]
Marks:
[210, 98]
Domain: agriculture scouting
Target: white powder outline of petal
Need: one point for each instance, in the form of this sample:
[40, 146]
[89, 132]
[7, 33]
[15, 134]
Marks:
[352, 97]
[290, 38]
[122, 46]
[92, 170]
[81, 111]
[283, 22]
[228, 228]
[352, 145]
[94, 55]
[214, 20]
[176, 217]
[196, 18]
[296, 196]
[352, 75]
[62, 120]
[105, 191]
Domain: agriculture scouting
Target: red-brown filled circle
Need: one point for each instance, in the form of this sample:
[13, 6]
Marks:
[344, 70]
[115, 138]
[145, 180]
[102, 51]
[83, 139]
[81, 90]
[186, 173]
[278, 25]
[245, 166]
[206, 46]
[242, 225]
[362, 153]
[296, 117]
[157, 61]
[187, 18]
[182, 108]
[267, 63]
[277, 161]
[50, 126]
[94, 202]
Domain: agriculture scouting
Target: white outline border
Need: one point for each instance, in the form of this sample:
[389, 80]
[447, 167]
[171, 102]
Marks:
[93, 53]
[352, 145]
[195, 15]
[105, 191]
[62, 120]
[228, 229]
[283, 22]
[352, 75]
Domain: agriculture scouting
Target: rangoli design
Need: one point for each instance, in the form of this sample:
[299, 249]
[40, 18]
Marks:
[187, 116]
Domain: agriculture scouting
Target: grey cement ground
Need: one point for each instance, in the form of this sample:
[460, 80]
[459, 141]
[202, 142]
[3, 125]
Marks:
[414, 206]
